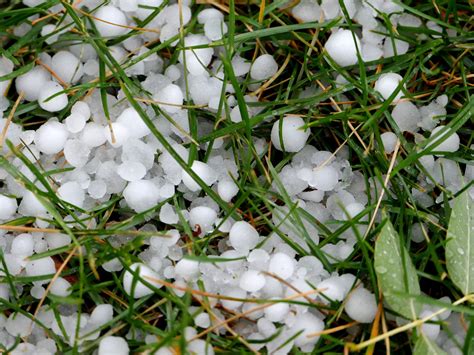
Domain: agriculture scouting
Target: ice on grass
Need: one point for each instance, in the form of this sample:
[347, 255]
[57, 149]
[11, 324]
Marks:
[252, 281]
[131, 170]
[361, 305]
[214, 29]
[281, 265]
[67, 67]
[8, 207]
[72, 193]
[23, 245]
[196, 60]
[264, 67]
[19, 325]
[133, 122]
[187, 269]
[227, 189]
[46, 100]
[75, 122]
[204, 171]
[332, 289]
[209, 14]
[170, 98]
[291, 130]
[389, 141]
[141, 195]
[277, 312]
[342, 47]
[243, 236]
[307, 324]
[57, 240]
[32, 83]
[324, 178]
[51, 137]
[202, 216]
[93, 135]
[41, 267]
[113, 345]
[450, 140]
[393, 46]
[134, 280]
[109, 21]
[307, 11]
[116, 134]
[407, 116]
[76, 153]
[60, 287]
[387, 84]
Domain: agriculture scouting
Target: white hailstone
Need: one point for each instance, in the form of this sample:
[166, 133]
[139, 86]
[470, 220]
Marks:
[106, 20]
[227, 189]
[203, 216]
[31, 206]
[23, 245]
[41, 267]
[120, 135]
[307, 11]
[131, 170]
[168, 214]
[200, 346]
[243, 236]
[81, 108]
[6, 67]
[277, 312]
[294, 137]
[332, 288]
[252, 281]
[370, 52]
[57, 240]
[353, 209]
[407, 116]
[75, 122]
[56, 103]
[196, 59]
[240, 66]
[202, 320]
[187, 269]
[93, 135]
[37, 292]
[450, 144]
[18, 324]
[307, 324]
[141, 195]
[147, 8]
[341, 47]
[429, 329]
[134, 123]
[361, 305]
[324, 178]
[113, 345]
[8, 207]
[97, 189]
[67, 66]
[51, 137]
[102, 314]
[389, 141]
[282, 265]
[209, 14]
[60, 287]
[32, 83]
[401, 47]
[234, 292]
[204, 171]
[76, 153]
[170, 98]
[386, 85]
[264, 67]
[214, 29]
[139, 288]
[72, 193]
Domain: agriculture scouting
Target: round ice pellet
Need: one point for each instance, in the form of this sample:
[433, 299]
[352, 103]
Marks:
[407, 116]
[294, 137]
[227, 189]
[113, 345]
[140, 289]
[170, 98]
[197, 59]
[324, 178]
[307, 324]
[102, 313]
[23, 245]
[341, 47]
[282, 265]
[8, 207]
[361, 305]
[131, 170]
[252, 281]
[450, 144]
[109, 21]
[117, 135]
[141, 195]
[75, 122]
[51, 137]
[32, 83]
[132, 120]
[93, 135]
[40, 267]
[202, 216]
[72, 193]
[52, 104]
[264, 67]
[389, 141]
[81, 108]
[243, 236]
[386, 85]
[204, 171]
[60, 287]
[67, 67]
[187, 269]
[277, 312]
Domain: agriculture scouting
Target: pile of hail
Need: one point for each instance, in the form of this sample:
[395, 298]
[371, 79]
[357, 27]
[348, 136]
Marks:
[268, 282]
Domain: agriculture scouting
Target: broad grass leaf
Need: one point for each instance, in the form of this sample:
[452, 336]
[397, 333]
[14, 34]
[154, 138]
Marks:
[460, 244]
[426, 346]
[396, 273]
